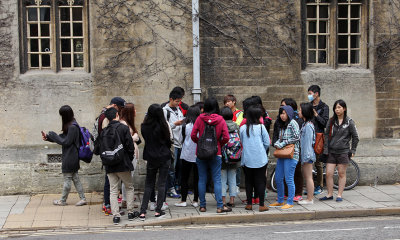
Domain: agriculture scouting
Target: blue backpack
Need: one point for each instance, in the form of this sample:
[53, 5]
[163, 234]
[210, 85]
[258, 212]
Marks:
[84, 152]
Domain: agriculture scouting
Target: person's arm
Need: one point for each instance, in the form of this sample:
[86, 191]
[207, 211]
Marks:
[354, 137]
[195, 130]
[64, 140]
[171, 124]
[265, 137]
[127, 138]
[324, 117]
[275, 135]
[307, 142]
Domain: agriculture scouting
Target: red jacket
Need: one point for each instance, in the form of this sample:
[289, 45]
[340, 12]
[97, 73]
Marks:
[221, 129]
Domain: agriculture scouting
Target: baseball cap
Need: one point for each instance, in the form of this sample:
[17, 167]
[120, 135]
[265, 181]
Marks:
[120, 102]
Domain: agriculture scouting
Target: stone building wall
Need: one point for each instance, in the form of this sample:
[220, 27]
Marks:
[386, 66]
[139, 50]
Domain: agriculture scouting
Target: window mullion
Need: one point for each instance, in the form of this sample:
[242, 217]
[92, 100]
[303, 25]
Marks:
[71, 38]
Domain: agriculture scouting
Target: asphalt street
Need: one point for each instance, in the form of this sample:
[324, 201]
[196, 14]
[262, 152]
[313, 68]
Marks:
[351, 228]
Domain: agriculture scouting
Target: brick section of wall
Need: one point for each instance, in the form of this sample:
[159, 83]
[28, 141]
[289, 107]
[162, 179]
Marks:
[236, 59]
[387, 73]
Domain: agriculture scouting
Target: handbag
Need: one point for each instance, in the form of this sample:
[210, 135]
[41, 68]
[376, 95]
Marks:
[285, 152]
[319, 143]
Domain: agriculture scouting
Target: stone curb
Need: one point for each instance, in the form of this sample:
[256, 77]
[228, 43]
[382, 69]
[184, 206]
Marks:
[232, 218]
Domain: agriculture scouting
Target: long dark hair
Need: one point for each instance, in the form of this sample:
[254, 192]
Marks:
[343, 104]
[211, 106]
[192, 113]
[128, 115]
[252, 118]
[258, 101]
[281, 123]
[67, 116]
[156, 120]
[307, 111]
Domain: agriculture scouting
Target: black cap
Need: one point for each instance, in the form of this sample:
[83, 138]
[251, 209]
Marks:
[120, 102]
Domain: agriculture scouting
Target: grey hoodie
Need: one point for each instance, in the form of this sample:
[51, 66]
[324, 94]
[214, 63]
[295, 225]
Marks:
[339, 142]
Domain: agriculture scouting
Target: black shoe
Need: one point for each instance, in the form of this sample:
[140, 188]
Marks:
[160, 214]
[133, 215]
[116, 220]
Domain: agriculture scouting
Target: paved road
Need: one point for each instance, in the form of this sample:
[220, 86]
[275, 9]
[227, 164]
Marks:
[353, 228]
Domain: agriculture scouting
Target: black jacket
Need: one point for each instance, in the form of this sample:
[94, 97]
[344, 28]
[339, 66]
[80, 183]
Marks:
[323, 116]
[129, 149]
[70, 144]
[339, 142]
[155, 148]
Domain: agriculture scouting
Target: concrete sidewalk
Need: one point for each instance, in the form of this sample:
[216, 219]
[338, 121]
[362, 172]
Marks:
[30, 213]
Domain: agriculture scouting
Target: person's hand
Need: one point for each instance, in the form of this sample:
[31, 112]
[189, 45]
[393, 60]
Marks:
[178, 123]
[315, 113]
[351, 155]
[44, 136]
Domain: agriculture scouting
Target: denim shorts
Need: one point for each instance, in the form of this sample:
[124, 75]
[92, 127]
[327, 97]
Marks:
[309, 161]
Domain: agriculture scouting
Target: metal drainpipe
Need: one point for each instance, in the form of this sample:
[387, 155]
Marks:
[196, 91]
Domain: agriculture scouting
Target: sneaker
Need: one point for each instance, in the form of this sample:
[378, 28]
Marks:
[153, 206]
[318, 190]
[108, 211]
[237, 189]
[286, 206]
[306, 202]
[276, 204]
[59, 203]
[142, 217]
[133, 215]
[180, 204]
[173, 194]
[297, 198]
[116, 220]
[160, 215]
[81, 203]
[164, 206]
[195, 204]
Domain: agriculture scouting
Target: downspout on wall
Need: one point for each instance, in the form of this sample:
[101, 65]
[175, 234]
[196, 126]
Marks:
[196, 91]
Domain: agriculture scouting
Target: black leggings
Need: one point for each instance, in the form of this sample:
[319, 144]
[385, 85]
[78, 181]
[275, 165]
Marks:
[255, 179]
[186, 169]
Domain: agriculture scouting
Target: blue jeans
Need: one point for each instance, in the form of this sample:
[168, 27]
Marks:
[285, 168]
[215, 166]
[228, 175]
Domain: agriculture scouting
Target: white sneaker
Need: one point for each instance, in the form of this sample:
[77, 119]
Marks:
[238, 189]
[164, 206]
[81, 203]
[181, 204]
[153, 206]
[195, 204]
[306, 202]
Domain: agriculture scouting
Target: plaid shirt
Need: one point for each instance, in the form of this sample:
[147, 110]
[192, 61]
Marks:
[290, 135]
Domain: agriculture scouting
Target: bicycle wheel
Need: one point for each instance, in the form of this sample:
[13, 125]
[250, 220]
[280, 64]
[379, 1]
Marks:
[352, 176]
[273, 182]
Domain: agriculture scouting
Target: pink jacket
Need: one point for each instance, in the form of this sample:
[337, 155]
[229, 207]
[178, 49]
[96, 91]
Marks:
[220, 128]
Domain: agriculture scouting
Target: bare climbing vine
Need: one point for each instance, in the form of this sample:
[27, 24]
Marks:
[151, 36]
[388, 44]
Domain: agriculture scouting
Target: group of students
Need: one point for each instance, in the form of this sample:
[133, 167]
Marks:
[186, 129]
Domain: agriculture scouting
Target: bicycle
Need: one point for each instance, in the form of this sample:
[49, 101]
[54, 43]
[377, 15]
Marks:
[352, 176]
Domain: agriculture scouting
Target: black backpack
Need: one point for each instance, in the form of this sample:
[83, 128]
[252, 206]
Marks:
[111, 148]
[207, 146]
